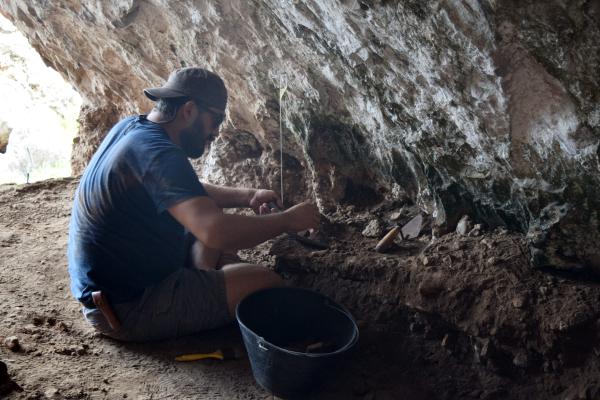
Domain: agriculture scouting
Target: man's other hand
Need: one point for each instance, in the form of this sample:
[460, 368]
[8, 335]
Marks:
[261, 197]
[303, 216]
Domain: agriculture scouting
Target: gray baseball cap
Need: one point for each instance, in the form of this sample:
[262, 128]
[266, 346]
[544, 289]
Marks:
[203, 86]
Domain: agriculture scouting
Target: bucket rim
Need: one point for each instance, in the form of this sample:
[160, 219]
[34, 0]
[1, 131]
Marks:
[335, 305]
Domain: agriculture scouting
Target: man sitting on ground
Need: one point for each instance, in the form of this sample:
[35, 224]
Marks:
[150, 237]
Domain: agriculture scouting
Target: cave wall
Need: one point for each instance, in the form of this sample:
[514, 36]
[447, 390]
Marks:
[489, 108]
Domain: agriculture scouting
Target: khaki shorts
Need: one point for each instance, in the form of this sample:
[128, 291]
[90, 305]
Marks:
[186, 302]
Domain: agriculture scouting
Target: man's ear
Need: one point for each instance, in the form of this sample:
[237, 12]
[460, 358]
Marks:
[187, 111]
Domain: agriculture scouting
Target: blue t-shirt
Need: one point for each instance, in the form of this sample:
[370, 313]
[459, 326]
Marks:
[122, 239]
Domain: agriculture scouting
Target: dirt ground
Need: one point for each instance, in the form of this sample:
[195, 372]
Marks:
[464, 317]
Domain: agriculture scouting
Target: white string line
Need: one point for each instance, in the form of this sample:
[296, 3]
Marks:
[281, 93]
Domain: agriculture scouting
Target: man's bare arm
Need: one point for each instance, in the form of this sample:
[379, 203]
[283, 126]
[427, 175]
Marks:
[229, 197]
[205, 219]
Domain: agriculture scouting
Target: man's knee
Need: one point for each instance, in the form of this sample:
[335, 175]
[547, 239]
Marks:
[206, 258]
[203, 257]
[241, 276]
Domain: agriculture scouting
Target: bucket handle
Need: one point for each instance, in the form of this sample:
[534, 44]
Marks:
[261, 344]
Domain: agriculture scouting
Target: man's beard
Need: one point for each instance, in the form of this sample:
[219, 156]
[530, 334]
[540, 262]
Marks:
[192, 140]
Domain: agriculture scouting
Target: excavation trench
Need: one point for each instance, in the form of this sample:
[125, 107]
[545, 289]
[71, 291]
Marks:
[465, 313]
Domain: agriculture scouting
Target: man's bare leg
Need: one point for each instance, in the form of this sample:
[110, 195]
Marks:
[241, 279]
[244, 279]
[204, 257]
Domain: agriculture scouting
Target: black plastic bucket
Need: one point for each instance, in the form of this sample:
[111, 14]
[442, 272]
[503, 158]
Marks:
[277, 323]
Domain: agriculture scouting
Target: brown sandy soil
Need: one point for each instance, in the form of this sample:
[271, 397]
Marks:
[465, 317]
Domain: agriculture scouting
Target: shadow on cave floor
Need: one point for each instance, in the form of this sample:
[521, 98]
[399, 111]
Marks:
[582, 276]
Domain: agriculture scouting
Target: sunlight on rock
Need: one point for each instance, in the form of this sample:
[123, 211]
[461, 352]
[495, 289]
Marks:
[38, 113]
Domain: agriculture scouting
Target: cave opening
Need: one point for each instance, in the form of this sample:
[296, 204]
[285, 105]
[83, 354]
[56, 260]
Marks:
[38, 113]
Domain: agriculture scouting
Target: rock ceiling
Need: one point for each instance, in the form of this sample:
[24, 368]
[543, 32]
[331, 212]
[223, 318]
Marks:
[489, 108]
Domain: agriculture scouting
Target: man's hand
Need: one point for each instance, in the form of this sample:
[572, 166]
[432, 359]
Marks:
[302, 216]
[261, 197]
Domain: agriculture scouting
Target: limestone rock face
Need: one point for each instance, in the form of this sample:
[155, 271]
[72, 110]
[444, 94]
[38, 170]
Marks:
[489, 108]
[4, 135]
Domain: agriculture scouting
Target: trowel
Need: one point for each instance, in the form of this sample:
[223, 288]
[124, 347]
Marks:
[410, 230]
